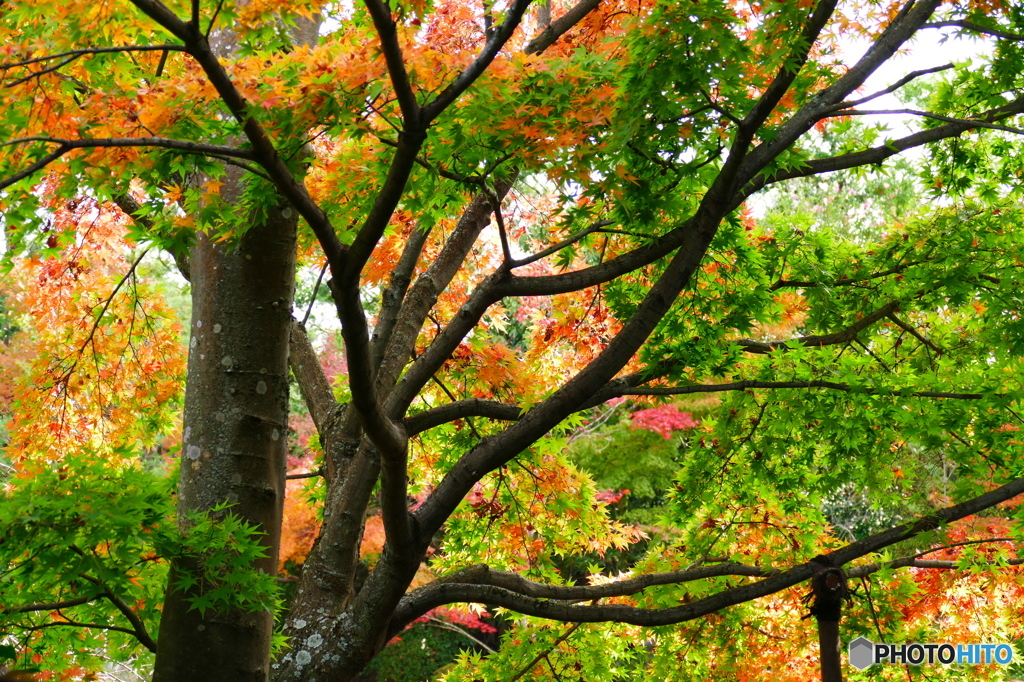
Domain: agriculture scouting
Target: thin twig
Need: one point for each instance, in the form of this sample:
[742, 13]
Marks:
[976, 28]
[310, 474]
[540, 657]
[72, 623]
[138, 627]
[216, 12]
[913, 332]
[106, 304]
[444, 625]
[502, 234]
[892, 88]
[31, 608]
[92, 50]
[568, 241]
[312, 298]
[926, 114]
[832, 385]
[451, 396]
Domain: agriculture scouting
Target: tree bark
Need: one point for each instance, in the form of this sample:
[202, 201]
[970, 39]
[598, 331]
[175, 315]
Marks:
[336, 647]
[828, 592]
[234, 445]
[828, 644]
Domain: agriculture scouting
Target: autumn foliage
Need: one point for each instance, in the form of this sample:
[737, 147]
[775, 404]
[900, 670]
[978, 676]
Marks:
[589, 332]
[104, 347]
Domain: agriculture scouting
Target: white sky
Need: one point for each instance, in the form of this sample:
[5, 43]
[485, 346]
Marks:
[924, 52]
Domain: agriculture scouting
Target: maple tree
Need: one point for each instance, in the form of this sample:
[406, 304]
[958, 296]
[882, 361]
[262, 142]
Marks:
[521, 214]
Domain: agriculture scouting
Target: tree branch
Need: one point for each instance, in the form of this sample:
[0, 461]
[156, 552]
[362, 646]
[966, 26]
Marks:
[913, 332]
[544, 654]
[910, 562]
[71, 55]
[506, 251]
[478, 407]
[894, 87]
[461, 409]
[877, 155]
[110, 299]
[975, 28]
[909, 19]
[832, 385]
[263, 149]
[481, 574]
[54, 606]
[556, 29]
[791, 66]
[130, 207]
[346, 262]
[927, 114]
[515, 593]
[387, 32]
[76, 624]
[65, 146]
[501, 284]
[308, 474]
[138, 627]
[422, 297]
[316, 391]
[725, 183]
[394, 294]
[93, 50]
[389, 437]
[495, 41]
[846, 281]
[568, 241]
[490, 409]
[495, 451]
[842, 336]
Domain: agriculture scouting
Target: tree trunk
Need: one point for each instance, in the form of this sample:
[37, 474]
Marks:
[828, 592]
[829, 646]
[234, 446]
[332, 648]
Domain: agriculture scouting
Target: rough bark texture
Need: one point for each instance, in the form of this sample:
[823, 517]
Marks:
[234, 446]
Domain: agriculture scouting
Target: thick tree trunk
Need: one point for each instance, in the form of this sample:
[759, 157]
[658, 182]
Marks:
[336, 648]
[235, 434]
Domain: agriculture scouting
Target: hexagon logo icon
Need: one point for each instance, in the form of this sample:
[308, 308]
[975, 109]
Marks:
[862, 653]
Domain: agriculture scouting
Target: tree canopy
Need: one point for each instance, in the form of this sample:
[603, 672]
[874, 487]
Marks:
[649, 322]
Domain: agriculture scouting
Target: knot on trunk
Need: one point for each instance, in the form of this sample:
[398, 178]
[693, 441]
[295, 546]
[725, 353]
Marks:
[828, 592]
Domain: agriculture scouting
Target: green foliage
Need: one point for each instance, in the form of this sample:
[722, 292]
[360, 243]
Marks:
[84, 542]
[860, 205]
[419, 653]
[621, 457]
[223, 548]
[541, 648]
[82, 530]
